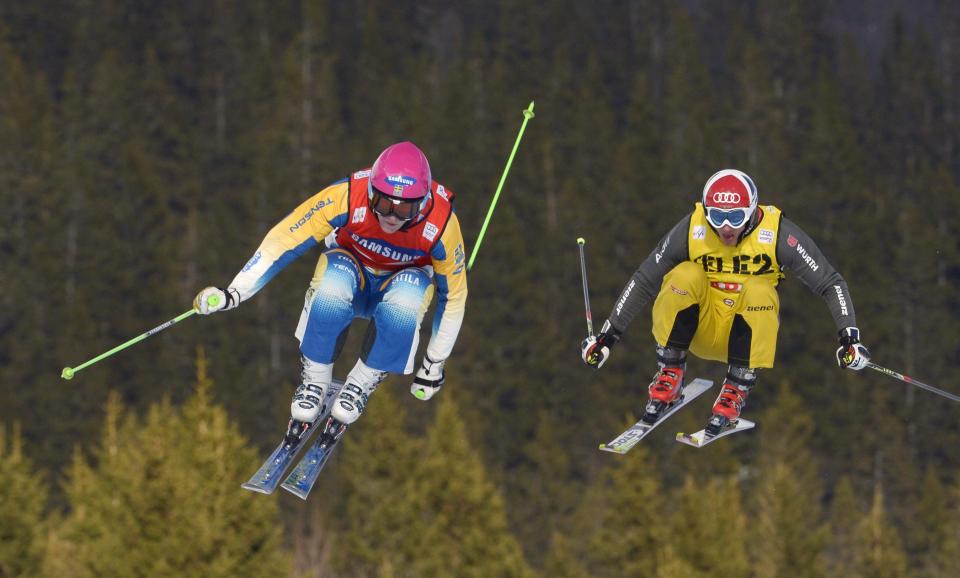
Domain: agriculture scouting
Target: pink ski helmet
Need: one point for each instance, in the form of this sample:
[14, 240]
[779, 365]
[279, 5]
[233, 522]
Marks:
[729, 198]
[402, 172]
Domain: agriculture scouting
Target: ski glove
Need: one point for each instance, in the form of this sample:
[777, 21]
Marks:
[852, 353]
[228, 299]
[429, 379]
[595, 349]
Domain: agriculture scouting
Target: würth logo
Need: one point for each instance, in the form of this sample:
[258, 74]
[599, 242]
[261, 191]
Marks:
[791, 240]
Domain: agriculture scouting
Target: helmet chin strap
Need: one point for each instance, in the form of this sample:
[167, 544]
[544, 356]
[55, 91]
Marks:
[751, 224]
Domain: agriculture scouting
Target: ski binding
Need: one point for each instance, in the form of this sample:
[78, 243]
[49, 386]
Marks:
[624, 442]
[268, 477]
[301, 479]
[701, 438]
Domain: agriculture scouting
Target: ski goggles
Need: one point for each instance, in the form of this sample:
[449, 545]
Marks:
[732, 217]
[385, 205]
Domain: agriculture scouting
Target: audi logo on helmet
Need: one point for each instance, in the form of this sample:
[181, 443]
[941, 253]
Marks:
[725, 197]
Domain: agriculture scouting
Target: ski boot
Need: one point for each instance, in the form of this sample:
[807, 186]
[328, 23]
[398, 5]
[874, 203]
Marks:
[350, 403]
[667, 385]
[310, 400]
[307, 406]
[732, 399]
[357, 389]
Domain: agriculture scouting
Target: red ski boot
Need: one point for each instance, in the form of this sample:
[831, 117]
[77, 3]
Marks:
[732, 399]
[665, 390]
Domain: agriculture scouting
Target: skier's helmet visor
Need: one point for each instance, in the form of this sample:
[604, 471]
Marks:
[386, 205]
[721, 217]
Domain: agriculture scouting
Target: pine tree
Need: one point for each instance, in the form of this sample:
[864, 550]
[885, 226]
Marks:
[459, 527]
[626, 539]
[836, 181]
[378, 460]
[693, 140]
[670, 565]
[792, 540]
[909, 157]
[929, 534]
[788, 497]
[877, 549]
[943, 562]
[704, 508]
[546, 492]
[934, 536]
[562, 561]
[845, 514]
[23, 497]
[755, 108]
[163, 498]
[32, 204]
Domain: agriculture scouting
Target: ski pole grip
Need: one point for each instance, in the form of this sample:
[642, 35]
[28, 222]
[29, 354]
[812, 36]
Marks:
[213, 300]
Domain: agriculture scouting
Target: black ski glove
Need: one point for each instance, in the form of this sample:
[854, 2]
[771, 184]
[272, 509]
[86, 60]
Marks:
[851, 353]
[595, 349]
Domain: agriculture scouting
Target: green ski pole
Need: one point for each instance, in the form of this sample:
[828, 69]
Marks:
[527, 115]
[68, 372]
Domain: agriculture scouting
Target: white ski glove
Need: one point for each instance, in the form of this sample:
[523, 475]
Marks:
[213, 299]
[851, 353]
[429, 379]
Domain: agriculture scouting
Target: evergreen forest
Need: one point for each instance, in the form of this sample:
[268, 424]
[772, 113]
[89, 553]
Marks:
[147, 147]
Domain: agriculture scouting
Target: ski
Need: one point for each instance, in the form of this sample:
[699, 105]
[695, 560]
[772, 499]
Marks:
[700, 438]
[301, 479]
[625, 441]
[268, 477]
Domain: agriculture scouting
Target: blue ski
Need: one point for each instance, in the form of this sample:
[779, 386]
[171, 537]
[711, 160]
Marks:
[271, 472]
[301, 479]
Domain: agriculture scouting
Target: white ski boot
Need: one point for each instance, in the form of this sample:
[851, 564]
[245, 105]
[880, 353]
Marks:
[356, 391]
[309, 401]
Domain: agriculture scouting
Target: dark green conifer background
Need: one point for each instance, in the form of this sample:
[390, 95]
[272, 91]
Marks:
[146, 148]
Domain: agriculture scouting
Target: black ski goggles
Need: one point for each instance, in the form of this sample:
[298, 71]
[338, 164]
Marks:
[385, 205]
[733, 217]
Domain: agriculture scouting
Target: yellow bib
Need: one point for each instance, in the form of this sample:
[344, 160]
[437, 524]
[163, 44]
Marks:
[755, 255]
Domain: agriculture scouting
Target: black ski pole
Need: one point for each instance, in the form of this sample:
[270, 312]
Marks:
[586, 292]
[912, 381]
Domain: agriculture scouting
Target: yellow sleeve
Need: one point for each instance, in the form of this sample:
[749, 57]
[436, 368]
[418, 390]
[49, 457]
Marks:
[450, 277]
[298, 232]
